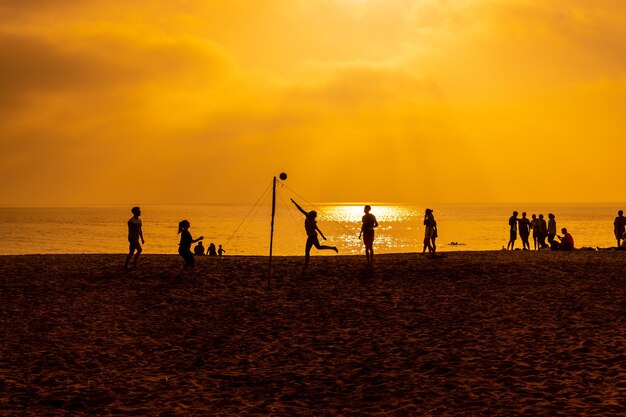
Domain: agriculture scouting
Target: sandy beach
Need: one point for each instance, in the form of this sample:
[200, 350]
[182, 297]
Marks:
[470, 334]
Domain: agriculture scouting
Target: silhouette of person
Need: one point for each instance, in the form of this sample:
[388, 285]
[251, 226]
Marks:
[567, 241]
[211, 250]
[220, 251]
[551, 228]
[135, 233]
[198, 250]
[310, 226]
[184, 247]
[534, 224]
[543, 232]
[430, 232]
[619, 227]
[512, 231]
[367, 231]
[524, 231]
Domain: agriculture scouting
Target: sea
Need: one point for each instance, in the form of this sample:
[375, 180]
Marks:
[244, 229]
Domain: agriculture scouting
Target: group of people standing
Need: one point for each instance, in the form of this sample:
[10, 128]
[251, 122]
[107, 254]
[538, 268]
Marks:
[541, 230]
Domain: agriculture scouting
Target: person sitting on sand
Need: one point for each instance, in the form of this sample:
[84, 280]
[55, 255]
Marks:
[211, 250]
[198, 250]
[567, 241]
[512, 231]
[310, 226]
[619, 227]
[134, 234]
[430, 232]
[524, 231]
[184, 247]
[367, 231]
[220, 251]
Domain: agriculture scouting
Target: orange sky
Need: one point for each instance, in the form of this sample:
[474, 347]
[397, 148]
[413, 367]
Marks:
[415, 101]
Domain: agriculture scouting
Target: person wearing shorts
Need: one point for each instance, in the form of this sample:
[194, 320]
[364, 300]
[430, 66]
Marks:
[367, 232]
[310, 226]
[184, 247]
[512, 231]
[135, 233]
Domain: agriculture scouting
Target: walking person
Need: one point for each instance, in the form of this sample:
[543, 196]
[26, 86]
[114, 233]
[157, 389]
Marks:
[524, 231]
[135, 233]
[512, 231]
[619, 227]
[430, 232]
[310, 226]
[367, 232]
[184, 247]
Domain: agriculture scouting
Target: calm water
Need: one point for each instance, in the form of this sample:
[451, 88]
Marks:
[244, 229]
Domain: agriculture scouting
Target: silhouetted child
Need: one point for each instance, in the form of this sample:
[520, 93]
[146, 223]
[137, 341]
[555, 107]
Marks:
[199, 249]
[220, 251]
[184, 247]
[211, 251]
[134, 234]
[367, 231]
[310, 226]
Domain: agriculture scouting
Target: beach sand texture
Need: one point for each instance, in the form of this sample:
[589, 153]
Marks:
[471, 334]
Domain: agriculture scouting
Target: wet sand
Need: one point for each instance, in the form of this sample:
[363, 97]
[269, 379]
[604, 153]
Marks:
[471, 334]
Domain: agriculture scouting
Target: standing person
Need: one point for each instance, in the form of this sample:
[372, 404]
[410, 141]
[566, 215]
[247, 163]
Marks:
[184, 247]
[367, 231]
[430, 232]
[534, 224]
[211, 250]
[619, 227]
[551, 228]
[512, 231]
[310, 226]
[221, 251]
[135, 233]
[543, 232]
[524, 231]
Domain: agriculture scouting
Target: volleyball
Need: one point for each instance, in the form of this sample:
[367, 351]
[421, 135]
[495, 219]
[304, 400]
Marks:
[283, 176]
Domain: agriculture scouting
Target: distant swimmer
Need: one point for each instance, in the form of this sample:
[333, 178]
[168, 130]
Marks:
[310, 226]
[619, 227]
[134, 234]
[184, 248]
[367, 231]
